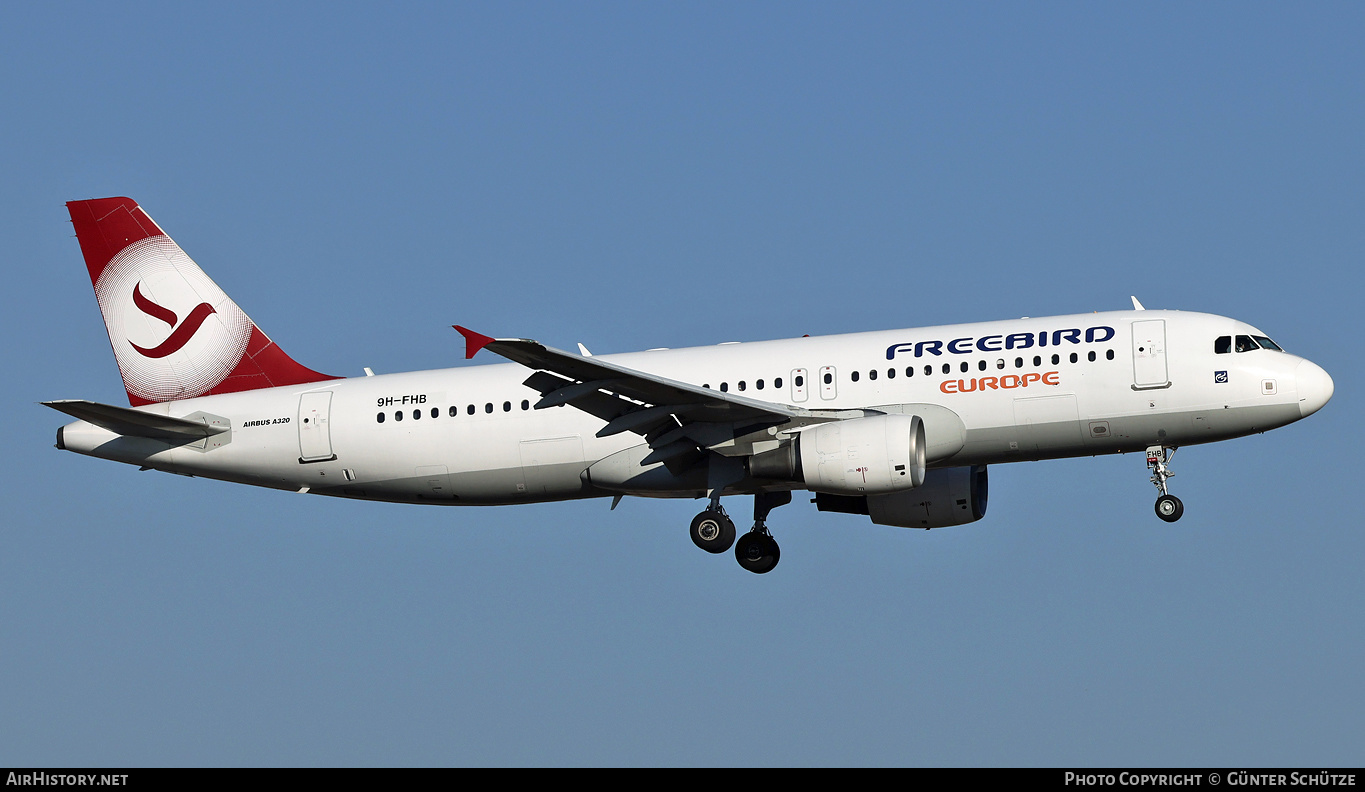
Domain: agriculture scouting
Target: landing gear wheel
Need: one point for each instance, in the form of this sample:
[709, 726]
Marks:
[712, 531]
[757, 552]
[1169, 508]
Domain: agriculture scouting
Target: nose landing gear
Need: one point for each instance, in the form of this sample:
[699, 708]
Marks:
[1168, 506]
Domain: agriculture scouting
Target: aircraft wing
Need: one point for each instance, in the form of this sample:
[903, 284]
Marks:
[675, 417]
[136, 423]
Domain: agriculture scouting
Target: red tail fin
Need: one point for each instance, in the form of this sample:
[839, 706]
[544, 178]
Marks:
[175, 334]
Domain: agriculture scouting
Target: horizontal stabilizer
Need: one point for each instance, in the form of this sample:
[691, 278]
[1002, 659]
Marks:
[135, 423]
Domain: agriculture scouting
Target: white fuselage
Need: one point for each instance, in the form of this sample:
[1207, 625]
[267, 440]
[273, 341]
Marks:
[472, 436]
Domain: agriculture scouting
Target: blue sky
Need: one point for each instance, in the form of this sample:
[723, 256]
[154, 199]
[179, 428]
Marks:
[360, 177]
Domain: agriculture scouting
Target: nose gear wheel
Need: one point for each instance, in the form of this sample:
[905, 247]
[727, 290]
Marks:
[1169, 508]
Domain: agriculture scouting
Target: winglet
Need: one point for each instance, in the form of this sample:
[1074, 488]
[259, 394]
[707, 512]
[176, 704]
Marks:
[1137, 306]
[473, 341]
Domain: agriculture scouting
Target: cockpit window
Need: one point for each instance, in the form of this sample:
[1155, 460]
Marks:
[1266, 343]
[1222, 345]
[1245, 344]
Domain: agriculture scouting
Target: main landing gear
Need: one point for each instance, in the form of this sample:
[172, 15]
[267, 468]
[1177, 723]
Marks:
[1168, 506]
[713, 530]
[756, 551]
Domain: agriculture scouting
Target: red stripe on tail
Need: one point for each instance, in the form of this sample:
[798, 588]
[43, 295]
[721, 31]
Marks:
[107, 225]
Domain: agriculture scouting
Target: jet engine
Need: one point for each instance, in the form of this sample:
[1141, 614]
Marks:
[948, 496]
[861, 456]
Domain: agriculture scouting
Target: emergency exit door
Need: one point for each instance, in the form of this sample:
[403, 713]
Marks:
[829, 382]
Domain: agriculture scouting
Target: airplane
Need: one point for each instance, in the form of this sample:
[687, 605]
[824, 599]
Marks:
[898, 425]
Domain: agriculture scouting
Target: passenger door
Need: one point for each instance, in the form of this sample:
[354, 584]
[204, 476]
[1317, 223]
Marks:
[1149, 354]
[315, 431]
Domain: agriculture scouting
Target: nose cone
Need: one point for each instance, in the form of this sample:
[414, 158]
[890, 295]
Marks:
[1315, 387]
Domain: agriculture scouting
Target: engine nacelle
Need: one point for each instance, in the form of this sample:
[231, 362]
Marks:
[949, 496]
[862, 456]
